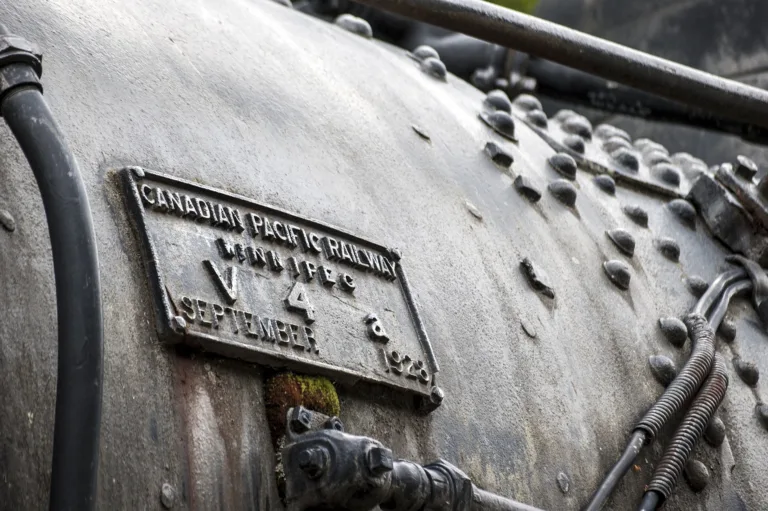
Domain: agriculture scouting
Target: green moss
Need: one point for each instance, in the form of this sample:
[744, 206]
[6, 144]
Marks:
[287, 390]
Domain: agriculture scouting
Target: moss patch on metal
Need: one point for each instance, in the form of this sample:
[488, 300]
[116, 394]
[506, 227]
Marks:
[287, 390]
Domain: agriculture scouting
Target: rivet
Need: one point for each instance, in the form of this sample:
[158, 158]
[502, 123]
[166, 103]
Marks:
[727, 329]
[715, 432]
[422, 52]
[420, 132]
[498, 154]
[618, 272]
[537, 278]
[626, 158]
[668, 248]
[745, 168]
[605, 183]
[652, 158]
[167, 496]
[436, 395]
[564, 164]
[562, 115]
[646, 145]
[563, 191]
[747, 371]
[697, 475]
[636, 214]
[667, 172]
[574, 143]
[355, 25]
[577, 125]
[684, 210]
[527, 102]
[674, 330]
[525, 188]
[472, 209]
[606, 131]
[696, 285]
[613, 143]
[501, 122]
[623, 240]
[762, 414]
[178, 324]
[7, 220]
[563, 482]
[528, 328]
[497, 100]
[537, 118]
[434, 67]
[663, 369]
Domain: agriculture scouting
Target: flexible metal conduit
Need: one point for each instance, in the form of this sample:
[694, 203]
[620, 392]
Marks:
[688, 433]
[677, 394]
[511, 29]
[78, 296]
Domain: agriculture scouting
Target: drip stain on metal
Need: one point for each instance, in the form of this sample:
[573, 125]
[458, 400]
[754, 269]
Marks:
[525, 187]
[674, 330]
[605, 183]
[663, 369]
[668, 248]
[618, 273]
[355, 25]
[537, 278]
[683, 210]
[564, 191]
[623, 240]
[747, 371]
[636, 214]
[564, 164]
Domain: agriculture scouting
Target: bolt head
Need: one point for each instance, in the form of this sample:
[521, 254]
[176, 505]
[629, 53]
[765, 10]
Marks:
[301, 420]
[335, 424]
[436, 395]
[379, 460]
[313, 461]
[179, 324]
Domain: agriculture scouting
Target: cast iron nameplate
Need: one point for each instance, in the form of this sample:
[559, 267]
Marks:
[242, 279]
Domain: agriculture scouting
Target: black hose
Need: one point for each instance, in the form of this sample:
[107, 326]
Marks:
[650, 501]
[610, 482]
[718, 312]
[690, 430]
[716, 288]
[685, 385]
[78, 298]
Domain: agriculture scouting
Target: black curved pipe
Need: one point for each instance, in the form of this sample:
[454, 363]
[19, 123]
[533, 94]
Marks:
[718, 312]
[715, 289]
[78, 298]
[621, 467]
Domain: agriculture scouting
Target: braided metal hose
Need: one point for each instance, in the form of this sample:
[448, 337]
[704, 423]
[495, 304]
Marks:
[682, 388]
[690, 430]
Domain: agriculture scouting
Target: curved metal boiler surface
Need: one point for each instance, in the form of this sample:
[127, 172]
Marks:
[252, 97]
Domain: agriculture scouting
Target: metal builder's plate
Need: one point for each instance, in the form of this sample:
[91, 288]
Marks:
[253, 282]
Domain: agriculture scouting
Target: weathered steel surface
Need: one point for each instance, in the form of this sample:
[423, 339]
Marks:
[259, 100]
